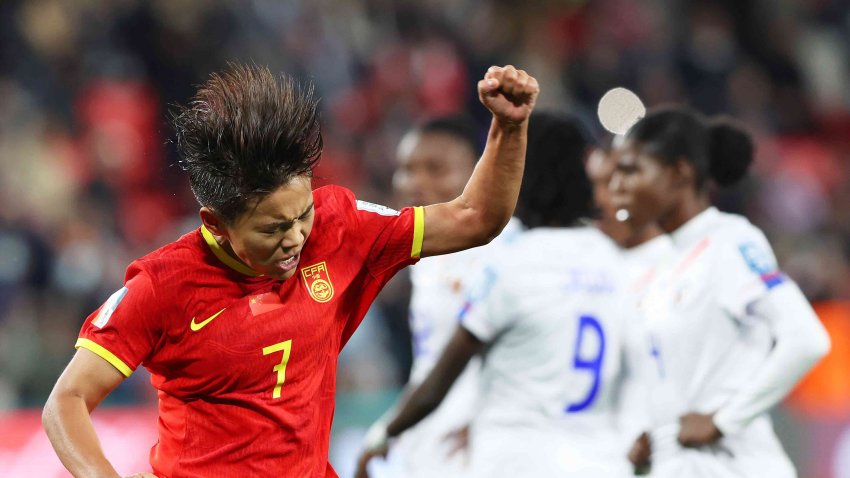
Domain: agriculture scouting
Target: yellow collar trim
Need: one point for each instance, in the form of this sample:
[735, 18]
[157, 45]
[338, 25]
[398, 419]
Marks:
[224, 257]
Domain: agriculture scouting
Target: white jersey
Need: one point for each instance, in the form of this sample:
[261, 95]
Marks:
[438, 295]
[554, 314]
[641, 263]
[708, 345]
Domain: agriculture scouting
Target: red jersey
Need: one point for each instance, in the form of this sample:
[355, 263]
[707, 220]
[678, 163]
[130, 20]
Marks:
[245, 366]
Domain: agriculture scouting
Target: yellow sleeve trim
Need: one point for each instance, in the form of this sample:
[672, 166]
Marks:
[418, 231]
[104, 354]
[224, 257]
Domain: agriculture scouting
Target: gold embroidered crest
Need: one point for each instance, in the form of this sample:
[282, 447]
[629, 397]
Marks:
[318, 282]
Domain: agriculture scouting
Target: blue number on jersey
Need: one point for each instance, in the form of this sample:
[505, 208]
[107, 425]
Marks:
[588, 324]
[655, 351]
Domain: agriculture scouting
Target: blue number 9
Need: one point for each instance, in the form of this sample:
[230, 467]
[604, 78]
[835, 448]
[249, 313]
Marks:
[588, 324]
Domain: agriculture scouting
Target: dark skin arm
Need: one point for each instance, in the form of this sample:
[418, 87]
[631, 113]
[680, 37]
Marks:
[428, 396]
[640, 454]
[697, 429]
[425, 398]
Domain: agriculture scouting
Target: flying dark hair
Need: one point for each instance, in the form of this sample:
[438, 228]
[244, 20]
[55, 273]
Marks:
[717, 148]
[556, 191]
[461, 127]
[244, 134]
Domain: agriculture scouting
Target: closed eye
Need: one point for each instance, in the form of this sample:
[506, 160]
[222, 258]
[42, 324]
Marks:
[285, 226]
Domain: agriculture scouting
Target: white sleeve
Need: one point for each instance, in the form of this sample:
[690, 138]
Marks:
[801, 341]
[486, 313]
[749, 271]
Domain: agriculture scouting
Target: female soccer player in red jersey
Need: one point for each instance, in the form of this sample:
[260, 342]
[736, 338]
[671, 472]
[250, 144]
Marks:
[241, 322]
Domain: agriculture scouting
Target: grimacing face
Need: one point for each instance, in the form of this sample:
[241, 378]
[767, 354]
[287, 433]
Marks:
[642, 185]
[432, 167]
[269, 236]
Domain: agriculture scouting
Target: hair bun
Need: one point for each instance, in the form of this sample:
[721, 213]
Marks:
[730, 151]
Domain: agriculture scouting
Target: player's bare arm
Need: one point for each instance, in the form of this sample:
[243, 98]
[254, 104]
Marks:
[489, 199]
[640, 455]
[86, 381]
[425, 398]
[428, 395]
[697, 430]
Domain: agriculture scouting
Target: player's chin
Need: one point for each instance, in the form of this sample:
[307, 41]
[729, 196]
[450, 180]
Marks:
[638, 220]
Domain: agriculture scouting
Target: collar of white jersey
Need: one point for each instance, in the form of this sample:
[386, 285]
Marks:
[697, 228]
[656, 246]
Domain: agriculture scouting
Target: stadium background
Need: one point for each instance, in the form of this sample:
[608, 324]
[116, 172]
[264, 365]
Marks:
[87, 181]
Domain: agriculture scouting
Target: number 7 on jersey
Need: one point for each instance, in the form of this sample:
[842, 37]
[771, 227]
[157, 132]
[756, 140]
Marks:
[286, 348]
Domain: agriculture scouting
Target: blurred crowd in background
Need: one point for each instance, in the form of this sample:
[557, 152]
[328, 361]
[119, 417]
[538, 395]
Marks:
[88, 180]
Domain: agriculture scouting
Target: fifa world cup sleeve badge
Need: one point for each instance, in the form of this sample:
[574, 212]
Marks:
[318, 282]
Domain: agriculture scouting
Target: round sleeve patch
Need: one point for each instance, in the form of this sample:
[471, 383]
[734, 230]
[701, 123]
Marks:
[762, 263]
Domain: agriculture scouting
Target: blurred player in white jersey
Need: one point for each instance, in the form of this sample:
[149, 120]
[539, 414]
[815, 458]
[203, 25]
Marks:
[434, 162]
[549, 317]
[643, 249]
[731, 333]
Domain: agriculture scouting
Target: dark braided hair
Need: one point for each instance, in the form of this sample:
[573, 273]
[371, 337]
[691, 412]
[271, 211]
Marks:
[556, 191]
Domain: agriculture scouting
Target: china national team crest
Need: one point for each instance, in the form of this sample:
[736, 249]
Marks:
[318, 282]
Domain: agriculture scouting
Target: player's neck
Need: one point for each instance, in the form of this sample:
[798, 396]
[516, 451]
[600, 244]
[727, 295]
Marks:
[227, 248]
[686, 209]
[642, 236]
